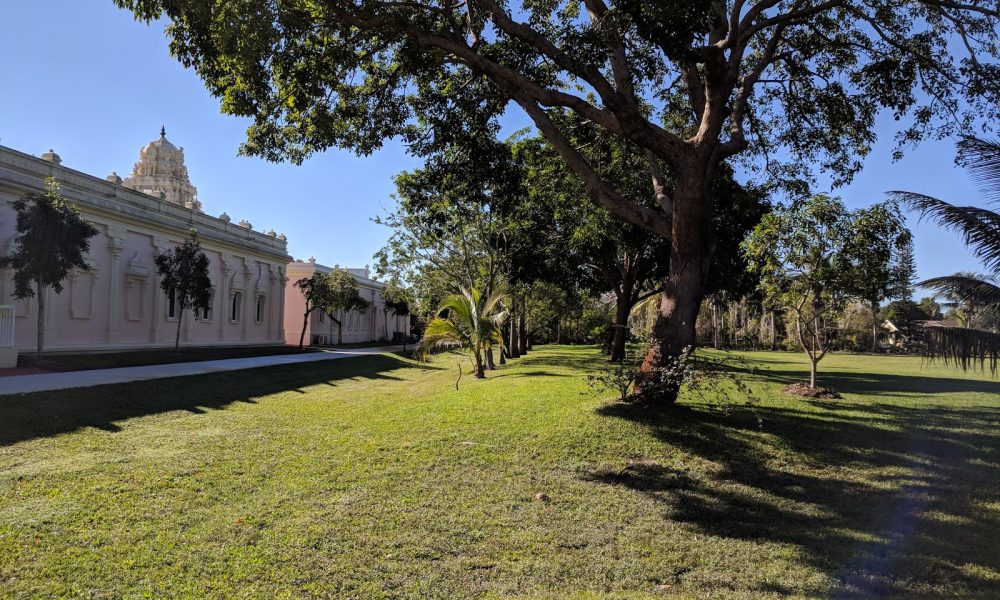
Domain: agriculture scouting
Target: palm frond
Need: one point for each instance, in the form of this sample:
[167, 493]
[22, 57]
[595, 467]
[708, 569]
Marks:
[966, 348]
[982, 159]
[973, 289]
[980, 228]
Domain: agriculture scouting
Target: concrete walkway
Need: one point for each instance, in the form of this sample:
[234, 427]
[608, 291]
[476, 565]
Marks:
[21, 384]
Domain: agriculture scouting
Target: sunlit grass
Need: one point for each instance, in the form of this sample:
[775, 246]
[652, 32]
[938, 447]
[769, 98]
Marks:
[374, 477]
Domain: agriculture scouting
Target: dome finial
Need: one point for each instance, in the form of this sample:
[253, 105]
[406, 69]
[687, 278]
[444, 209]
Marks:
[163, 131]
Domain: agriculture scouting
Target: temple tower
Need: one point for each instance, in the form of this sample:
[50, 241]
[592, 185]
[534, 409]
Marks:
[160, 172]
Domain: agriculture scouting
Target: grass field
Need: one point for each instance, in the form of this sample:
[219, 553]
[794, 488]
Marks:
[373, 477]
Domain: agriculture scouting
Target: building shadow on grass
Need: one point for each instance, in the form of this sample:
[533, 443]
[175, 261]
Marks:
[887, 500]
[42, 414]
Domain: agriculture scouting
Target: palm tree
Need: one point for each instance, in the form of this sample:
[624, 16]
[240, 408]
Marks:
[980, 229]
[469, 320]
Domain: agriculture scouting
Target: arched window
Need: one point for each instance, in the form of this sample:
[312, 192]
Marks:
[259, 316]
[206, 312]
[237, 308]
[172, 305]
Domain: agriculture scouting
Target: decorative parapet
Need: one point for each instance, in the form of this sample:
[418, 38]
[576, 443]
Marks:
[23, 173]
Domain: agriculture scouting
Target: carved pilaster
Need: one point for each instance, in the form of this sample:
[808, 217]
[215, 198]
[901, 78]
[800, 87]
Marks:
[247, 310]
[160, 245]
[282, 282]
[223, 317]
[116, 243]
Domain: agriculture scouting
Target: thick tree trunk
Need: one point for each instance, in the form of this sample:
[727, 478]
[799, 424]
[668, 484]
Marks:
[621, 327]
[521, 326]
[40, 321]
[340, 332]
[480, 373]
[690, 257]
[490, 365]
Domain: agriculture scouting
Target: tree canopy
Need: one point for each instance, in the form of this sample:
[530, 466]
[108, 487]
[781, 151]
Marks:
[184, 278]
[52, 239]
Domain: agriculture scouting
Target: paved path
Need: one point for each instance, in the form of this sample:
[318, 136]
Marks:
[20, 384]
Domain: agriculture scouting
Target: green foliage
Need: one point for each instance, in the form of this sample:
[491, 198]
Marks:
[809, 260]
[331, 293]
[618, 377]
[184, 275]
[52, 239]
[969, 292]
[471, 321]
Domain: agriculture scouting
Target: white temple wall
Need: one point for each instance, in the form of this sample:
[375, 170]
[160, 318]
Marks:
[119, 304]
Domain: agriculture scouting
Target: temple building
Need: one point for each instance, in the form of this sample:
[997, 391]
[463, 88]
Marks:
[374, 324]
[117, 303]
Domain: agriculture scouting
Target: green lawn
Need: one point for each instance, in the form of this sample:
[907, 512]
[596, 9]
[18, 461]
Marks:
[373, 477]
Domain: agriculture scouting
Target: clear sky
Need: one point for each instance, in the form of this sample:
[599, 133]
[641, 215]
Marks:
[82, 77]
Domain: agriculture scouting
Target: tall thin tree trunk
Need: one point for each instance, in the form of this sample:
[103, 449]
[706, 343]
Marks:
[812, 373]
[512, 331]
[305, 325]
[177, 338]
[773, 340]
[620, 327]
[874, 308]
[690, 257]
[715, 325]
[40, 321]
[490, 365]
[521, 326]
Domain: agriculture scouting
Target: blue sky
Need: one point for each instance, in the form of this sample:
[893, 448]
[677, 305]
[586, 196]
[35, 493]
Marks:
[82, 77]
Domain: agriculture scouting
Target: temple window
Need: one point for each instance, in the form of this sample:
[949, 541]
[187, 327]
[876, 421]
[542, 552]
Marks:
[206, 311]
[259, 316]
[172, 305]
[237, 307]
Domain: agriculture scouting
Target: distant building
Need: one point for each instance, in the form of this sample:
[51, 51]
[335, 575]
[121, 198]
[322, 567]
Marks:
[372, 325]
[118, 304]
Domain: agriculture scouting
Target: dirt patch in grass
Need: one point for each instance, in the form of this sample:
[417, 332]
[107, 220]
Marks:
[802, 389]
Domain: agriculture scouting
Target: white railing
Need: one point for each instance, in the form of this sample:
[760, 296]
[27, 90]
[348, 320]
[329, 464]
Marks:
[6, 326]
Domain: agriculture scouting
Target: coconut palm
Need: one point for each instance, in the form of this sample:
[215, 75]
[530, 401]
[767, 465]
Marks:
[469, 320]
[980, 229]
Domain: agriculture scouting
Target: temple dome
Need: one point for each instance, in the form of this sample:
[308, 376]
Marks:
[161, 173]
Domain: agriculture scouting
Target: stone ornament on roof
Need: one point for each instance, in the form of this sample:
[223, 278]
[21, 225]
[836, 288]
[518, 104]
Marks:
[160, 172]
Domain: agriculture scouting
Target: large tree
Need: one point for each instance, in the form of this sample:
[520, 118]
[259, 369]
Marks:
[184, 278]
[800, 80]
[52, 239]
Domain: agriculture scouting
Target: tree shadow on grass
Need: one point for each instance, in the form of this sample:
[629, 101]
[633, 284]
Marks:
[888, 500]
[859, 382]
[42, 414]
